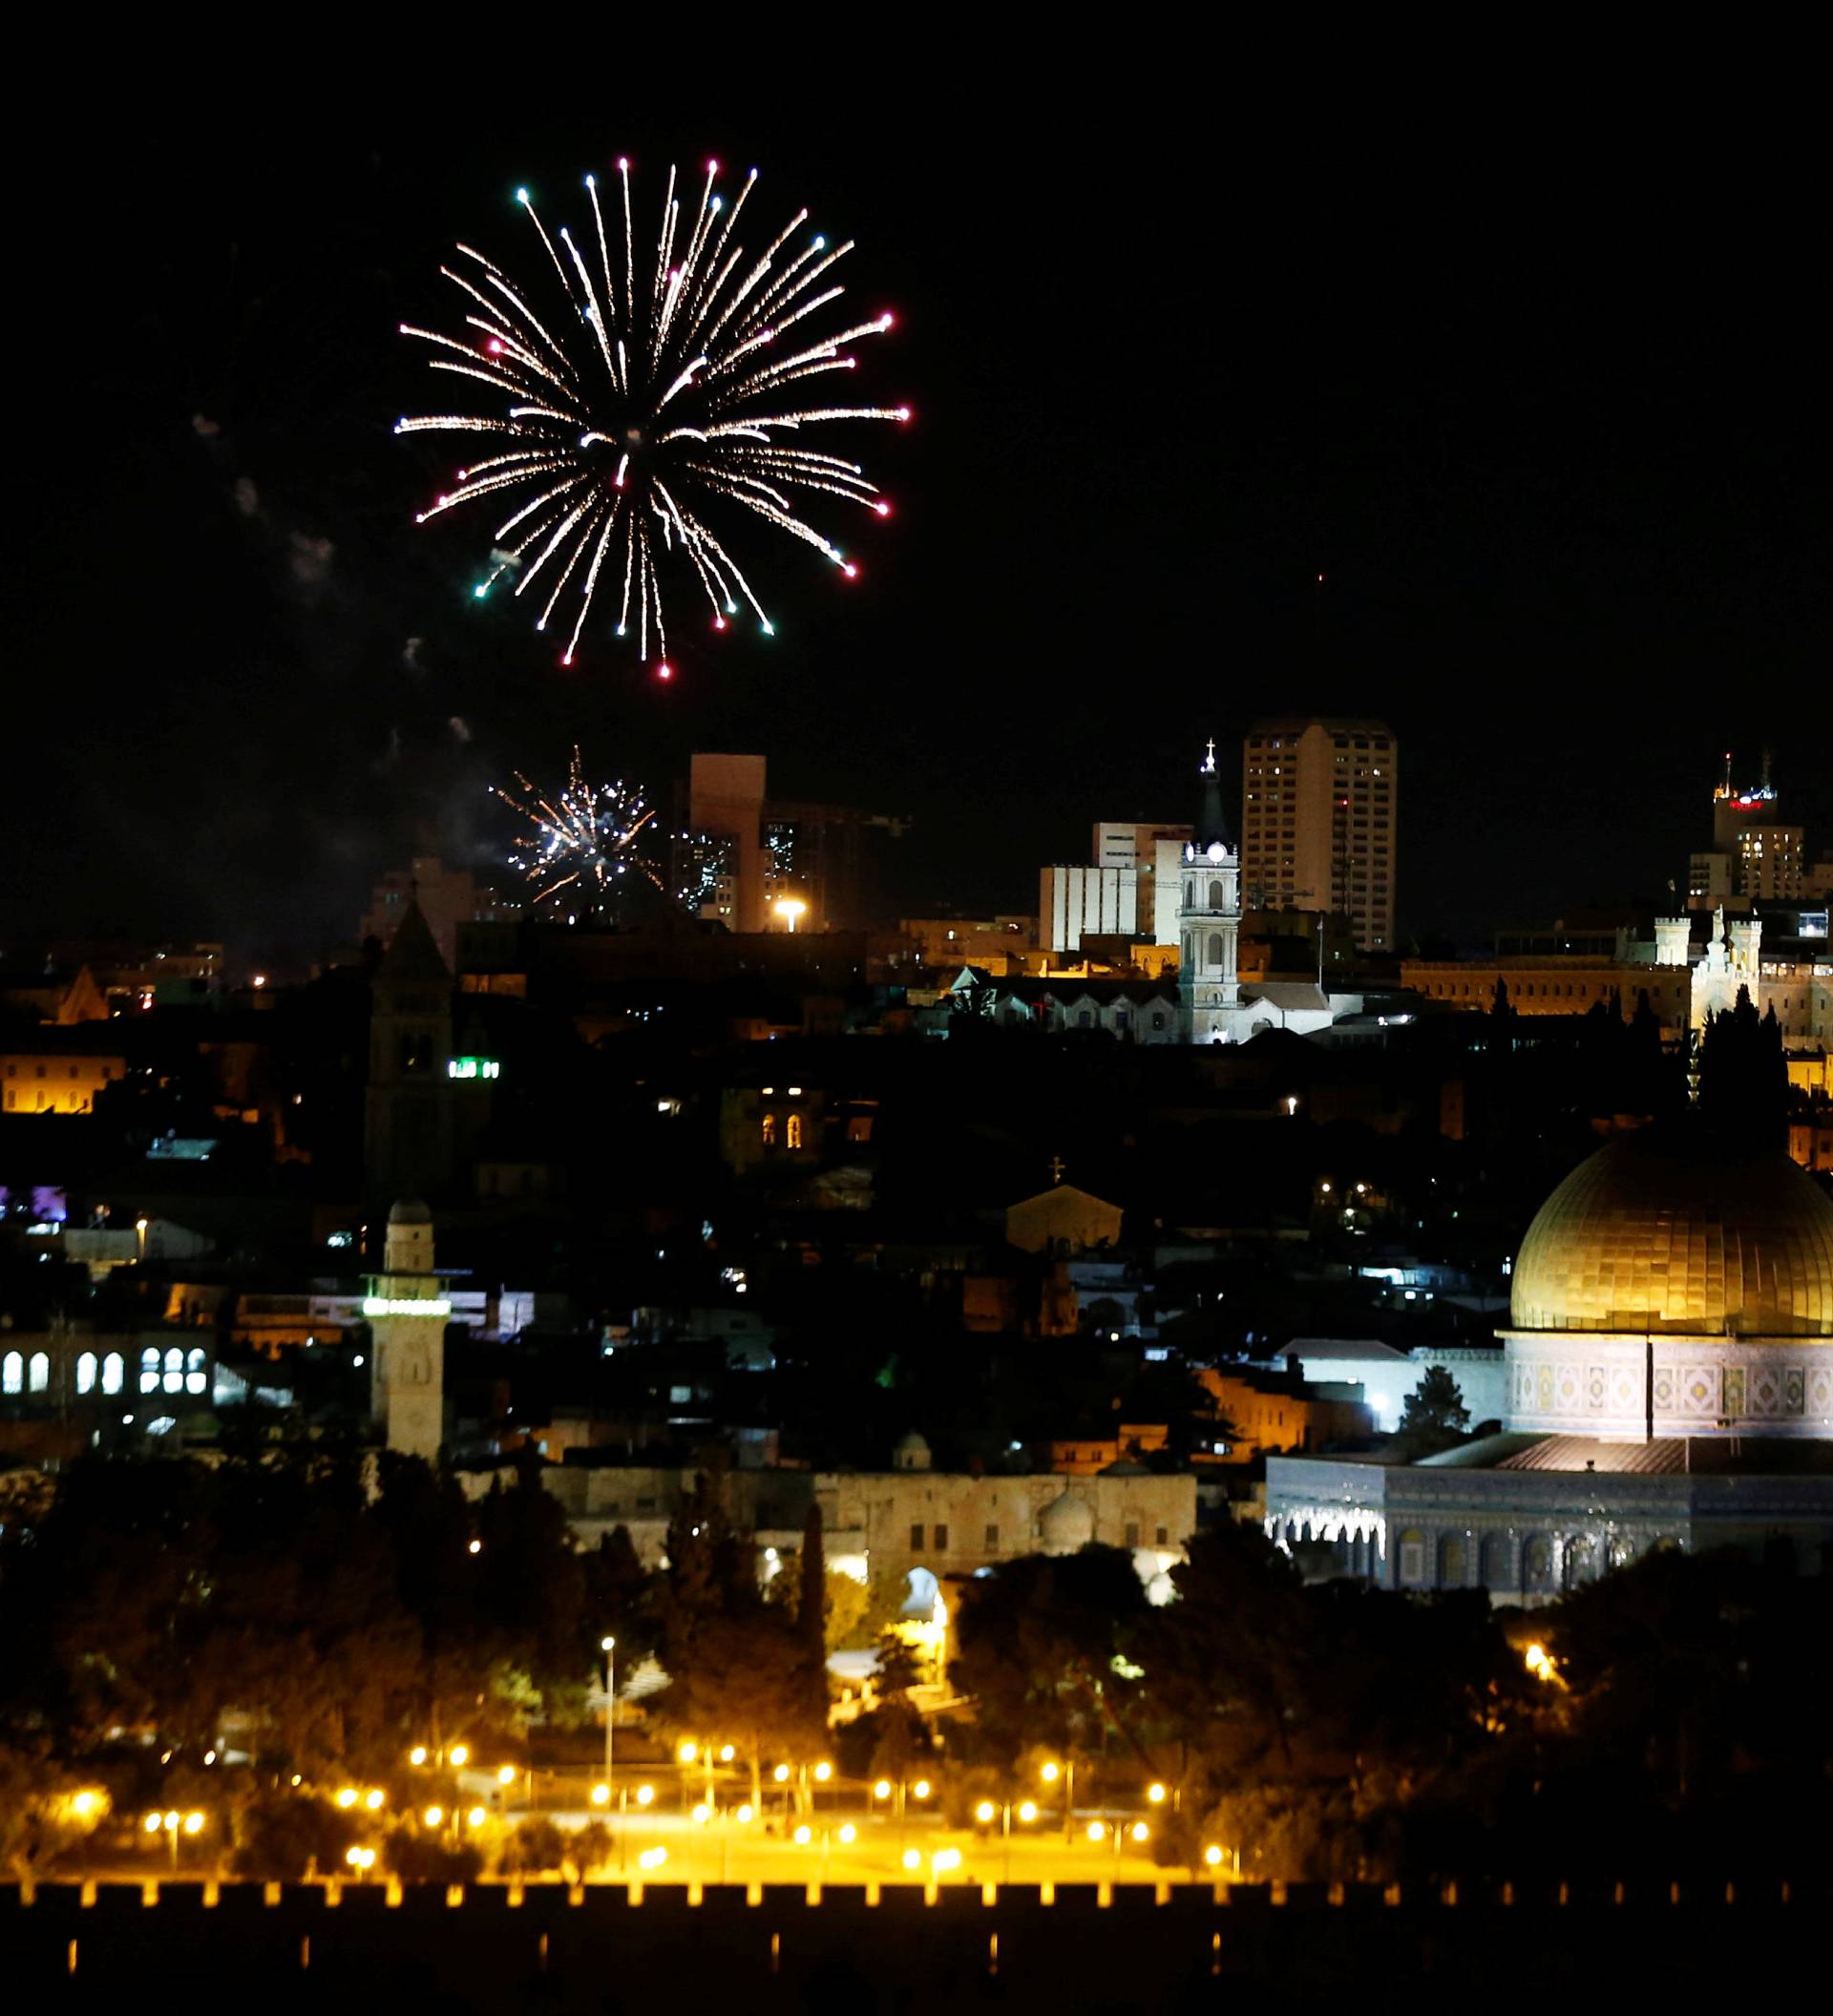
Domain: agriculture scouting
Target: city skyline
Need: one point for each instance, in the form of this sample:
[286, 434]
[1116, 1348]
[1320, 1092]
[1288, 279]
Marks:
[1484, 502]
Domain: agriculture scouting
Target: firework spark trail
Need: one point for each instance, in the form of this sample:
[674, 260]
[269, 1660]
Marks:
[699, 335]
[595, 834]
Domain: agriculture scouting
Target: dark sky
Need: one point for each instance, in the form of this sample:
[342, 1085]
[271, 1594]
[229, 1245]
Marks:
[1538, 384]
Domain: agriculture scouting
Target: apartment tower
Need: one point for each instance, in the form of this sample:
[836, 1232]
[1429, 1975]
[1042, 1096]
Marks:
[1318, 808]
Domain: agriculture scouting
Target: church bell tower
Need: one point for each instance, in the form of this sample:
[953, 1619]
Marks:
[1208, 922]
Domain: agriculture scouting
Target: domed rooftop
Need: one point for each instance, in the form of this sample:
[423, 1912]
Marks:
[410, 1210]
[1672, 1236]
[1067, 1524]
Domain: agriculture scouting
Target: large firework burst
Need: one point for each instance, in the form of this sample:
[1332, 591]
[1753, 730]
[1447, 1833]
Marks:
[594, 836]
[664, 387]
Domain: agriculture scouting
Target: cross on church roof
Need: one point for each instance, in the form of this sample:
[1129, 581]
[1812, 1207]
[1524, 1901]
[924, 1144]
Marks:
[1208, 761]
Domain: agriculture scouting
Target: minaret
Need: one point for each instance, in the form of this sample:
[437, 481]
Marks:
[408, 1312]
[1209, 921]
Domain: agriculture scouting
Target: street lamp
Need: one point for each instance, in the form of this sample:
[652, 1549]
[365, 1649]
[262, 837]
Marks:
[789, 909]
[608, 1645]
[1050, 1771]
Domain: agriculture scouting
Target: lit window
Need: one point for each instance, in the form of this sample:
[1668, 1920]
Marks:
[149, 1370]
[795, 1131]
[86, 1372]
[38, 1372]
[12, 1372]
[768, 1130]
[111, 1372]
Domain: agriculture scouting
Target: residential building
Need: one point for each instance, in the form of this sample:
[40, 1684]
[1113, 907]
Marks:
[1319, 809]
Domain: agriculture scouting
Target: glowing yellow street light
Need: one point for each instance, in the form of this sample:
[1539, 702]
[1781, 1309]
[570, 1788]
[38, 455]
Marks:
[789, 909]
[1540, 1663]
[652, 1858]
[849, 1834]
[747, 1812]
[460, 1754]
[686, 1752]
[373, 1800]
[476, 1816]
[1051, 1772]
[1028, 1811]
[1156, 1793]
[194, 1824]
[921, 1789]
[506, 1775]
[701, 1814]
[946, 1859]
[477, 1546]
[1096, 1831]
[1141, 1832]
[1212, 1855]
[913, 1858]
[804, 1836]
[417, 1754]
[433, 1816]
[727, 1753]
[781, 1775]
[645, 1794]
[601, 1795]
[346, 1796]
[152, 1823]
[823, 1771]
[881, 1790]
[83, 1803]
[984, 1811]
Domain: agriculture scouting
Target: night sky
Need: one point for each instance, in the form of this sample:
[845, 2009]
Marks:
[1542, 395]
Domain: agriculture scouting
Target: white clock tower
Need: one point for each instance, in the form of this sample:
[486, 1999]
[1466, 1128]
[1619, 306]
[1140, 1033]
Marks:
[407, 1310]
[1208, 922]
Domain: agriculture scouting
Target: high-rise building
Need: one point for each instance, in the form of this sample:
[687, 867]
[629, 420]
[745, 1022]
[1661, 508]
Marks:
[1153, 851]
[1755, 856]
[1319, 804]
[760, 863]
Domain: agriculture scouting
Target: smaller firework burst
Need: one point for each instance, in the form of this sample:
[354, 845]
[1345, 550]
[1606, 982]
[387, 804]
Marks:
[593, 838]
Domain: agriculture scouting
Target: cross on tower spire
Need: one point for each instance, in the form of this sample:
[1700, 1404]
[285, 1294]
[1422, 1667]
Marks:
[1208, 761]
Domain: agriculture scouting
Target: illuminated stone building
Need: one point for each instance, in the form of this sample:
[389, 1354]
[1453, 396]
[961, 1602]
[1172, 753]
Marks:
[1669, 1375]
[408, 1309]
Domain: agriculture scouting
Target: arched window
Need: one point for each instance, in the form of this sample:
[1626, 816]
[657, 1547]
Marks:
[768, 1130]
[175, 1371]
[1412, 1557]
[12, 1372]
[1583, 1563]
[113, 1371]
[1216, 900]
[195, 1377]
[1537, 1564]
[150, 1370]
[1454, 1562]
[1497, 1562]
[38, 1372]
[86, 1372]
[795, 1131]
[1215, 948]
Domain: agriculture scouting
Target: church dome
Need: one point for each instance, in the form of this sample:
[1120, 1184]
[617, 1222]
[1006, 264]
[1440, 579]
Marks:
[410, 1210]
[1066, 1525]
[1679, 1237]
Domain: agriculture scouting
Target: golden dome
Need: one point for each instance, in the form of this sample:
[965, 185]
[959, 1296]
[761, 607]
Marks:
[1668, 1237]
